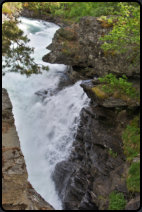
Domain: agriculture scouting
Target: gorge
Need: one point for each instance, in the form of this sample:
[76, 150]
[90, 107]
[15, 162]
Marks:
[58, 111]
[71, 131]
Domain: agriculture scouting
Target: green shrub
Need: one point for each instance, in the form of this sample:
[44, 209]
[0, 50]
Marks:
[73, 10]
[116, 201]
[131, 139]
[121, 84]
[133, 178]
[10, 8]
[113, 154]
[125, 35]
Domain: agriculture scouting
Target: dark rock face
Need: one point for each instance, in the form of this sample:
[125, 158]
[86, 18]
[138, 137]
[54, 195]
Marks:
[91, 173]
[72, 186]
[133, 204]
[97, 164]
[79, 46]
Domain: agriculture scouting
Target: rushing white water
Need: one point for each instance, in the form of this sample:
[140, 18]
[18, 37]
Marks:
[46, 128]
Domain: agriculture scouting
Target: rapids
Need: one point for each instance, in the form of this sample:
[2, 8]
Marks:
[46, 126]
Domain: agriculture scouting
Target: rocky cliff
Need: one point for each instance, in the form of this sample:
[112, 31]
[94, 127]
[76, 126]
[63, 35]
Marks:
[78, 45]
[17, 192]
[97, 165]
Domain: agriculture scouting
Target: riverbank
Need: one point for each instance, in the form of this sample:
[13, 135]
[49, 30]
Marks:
[48, 17]
[17, 192]
[98, 171]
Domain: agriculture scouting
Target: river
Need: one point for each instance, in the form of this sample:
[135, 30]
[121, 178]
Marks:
[46, 126]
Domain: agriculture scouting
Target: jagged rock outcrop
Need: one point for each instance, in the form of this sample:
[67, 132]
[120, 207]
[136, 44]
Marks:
[88, 176]
[79, 46]
[97, 165]
[17, 192]
[96, 94]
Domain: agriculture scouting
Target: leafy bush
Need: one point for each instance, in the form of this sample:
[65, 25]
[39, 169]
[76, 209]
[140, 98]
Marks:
[10, 8]
[73, 10]
[131, 139]
[131, 146]
[121, 84]
[116, 201]
[125, 35]
[133, 179]
[76, 10]
[42, 7]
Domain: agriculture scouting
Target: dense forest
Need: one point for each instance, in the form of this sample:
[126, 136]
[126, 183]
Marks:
[122, 19]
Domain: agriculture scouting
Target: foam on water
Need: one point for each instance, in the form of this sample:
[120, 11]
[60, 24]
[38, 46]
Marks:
[46, 128]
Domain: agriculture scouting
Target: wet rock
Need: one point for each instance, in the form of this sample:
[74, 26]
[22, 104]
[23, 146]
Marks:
[96, 165]
[97, 95]
[42, 94]
[61, 175]
[78, 45]
[72, 184]
[17, 192]
[133, 204]
[89, 171]
[86, 204]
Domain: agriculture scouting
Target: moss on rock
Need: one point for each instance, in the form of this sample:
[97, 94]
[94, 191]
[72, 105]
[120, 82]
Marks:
[99, 93]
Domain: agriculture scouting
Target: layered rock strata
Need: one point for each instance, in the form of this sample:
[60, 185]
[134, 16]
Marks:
[17, 192]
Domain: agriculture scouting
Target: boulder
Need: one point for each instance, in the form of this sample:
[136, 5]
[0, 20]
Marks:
[78, 45]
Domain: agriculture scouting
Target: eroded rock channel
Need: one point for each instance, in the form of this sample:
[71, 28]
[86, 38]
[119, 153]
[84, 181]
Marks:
[17, 192]
[96, 165]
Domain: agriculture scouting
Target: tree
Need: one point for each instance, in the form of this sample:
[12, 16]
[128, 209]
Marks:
[15, 51]
[125, 35]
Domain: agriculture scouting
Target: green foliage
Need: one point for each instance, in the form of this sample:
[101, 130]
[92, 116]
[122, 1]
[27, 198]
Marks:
[76, 10]
[133, 178]
[42, 7]
[131, 139]
[121, 84]
[10, 8]
[73, 10]
[16, 52]
[113, 154]
[116, 201]
[125, 35]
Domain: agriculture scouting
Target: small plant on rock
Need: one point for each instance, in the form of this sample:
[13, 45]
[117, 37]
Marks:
[133, 178]
[116, 201]
[112, 84]
[131, 139]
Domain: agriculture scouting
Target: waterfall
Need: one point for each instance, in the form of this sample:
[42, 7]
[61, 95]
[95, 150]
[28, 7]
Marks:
[46, 124]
